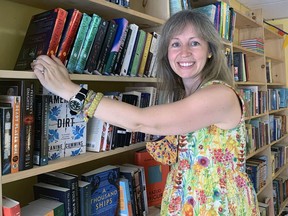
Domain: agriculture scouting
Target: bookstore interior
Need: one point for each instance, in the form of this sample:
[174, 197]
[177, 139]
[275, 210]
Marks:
[55, 163]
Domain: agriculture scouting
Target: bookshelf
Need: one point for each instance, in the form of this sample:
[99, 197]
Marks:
[146, 17]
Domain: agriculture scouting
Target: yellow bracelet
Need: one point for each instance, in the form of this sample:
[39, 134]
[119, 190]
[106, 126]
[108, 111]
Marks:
[89, 112]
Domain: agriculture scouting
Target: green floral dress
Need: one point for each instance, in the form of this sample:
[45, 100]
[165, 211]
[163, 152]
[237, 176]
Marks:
[207, 174]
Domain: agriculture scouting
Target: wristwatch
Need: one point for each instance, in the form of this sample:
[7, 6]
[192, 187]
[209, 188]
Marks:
[76, 103]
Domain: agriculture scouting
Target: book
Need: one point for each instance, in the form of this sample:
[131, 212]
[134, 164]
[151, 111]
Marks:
[151, 55]
[15, 103]
[6, 114]
[42, 37]
[78, 43]
[95, 136]
[155, 175]
[118, 44]
[69, 33]
[106, 46]
[40, 151]
[128, 55]
[25, 89]
[147, 89]
[209, 11]
[67, 133]
[61, 194]
[96, 48]
[104, 189]
[36, 210]
[10, 207]
[145, 54]
[139, 47]
[56, 206]
[125, 206]
[84, 191]
[88, 41]
[65, 181]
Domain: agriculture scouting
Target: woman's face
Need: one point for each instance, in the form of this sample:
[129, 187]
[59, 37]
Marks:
[187, 53]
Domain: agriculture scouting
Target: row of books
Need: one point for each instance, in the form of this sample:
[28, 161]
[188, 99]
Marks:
[222, 16]
[277, 126]
[240, 64]
[90, 44]
[127, 189]
[279, 156]
[253, 44]
[124, 3]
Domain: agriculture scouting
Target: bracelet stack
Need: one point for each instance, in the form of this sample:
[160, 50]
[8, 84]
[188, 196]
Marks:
[91, 103]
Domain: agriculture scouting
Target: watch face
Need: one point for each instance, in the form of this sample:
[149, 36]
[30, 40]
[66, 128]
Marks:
[75, 105]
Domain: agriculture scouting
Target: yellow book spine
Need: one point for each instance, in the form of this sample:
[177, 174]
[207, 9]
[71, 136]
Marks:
[145, 54]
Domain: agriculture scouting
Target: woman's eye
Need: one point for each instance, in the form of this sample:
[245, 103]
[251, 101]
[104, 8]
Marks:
[175, 44]
[194, 43]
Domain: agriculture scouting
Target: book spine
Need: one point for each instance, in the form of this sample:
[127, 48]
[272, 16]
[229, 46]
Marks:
[107, 46]
[152, 70]
[117, 44]
[57, 31]
[69, 33]
[6, 114]
[85, 198]
[127, 57]
[138, 54]
[78, 43]
[145, 54]
[40, 156]
[96, 47]
[152, 51]
[85, 50]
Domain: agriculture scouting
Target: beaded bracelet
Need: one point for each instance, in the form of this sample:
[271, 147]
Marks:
[91, 103]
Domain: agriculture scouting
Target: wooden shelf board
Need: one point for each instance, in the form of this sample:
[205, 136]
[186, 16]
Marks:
[67, 162]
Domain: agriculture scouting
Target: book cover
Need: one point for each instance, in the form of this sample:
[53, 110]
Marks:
[145, 54]
[42, 37]
[106, 46]
[10, 207]
[84, 191]
[15, 103]
[25, 89]
[88, 41]
[95, 136]
[6, 114]
[49, 191]
[139, 47]
[125, 206]
[155, 175]
[96, 48]
[66, 133]
[105, 189]
[78, 43]
[69, 33]
[65, 181]
[40, 152]
[50, 204]
[128, 55]
[118, 43]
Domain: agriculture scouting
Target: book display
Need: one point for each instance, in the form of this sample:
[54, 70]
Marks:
[260, 76]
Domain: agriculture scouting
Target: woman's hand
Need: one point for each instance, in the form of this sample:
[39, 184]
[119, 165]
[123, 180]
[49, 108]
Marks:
[54, 76]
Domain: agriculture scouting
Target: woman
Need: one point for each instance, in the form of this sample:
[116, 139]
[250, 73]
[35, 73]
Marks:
[204, 121]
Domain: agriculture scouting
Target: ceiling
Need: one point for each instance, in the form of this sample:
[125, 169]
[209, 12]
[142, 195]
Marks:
[272, 9]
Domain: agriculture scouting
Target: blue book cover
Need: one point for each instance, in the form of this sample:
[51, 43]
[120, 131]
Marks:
[104, 190]
[84, 191]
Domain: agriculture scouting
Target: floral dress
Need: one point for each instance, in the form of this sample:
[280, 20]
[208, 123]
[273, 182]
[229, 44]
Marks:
[207, 174]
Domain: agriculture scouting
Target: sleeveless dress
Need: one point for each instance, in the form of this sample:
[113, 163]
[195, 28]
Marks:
[207, 174]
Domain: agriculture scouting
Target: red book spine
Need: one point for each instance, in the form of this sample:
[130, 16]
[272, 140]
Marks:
[70, 34]
[57, 31]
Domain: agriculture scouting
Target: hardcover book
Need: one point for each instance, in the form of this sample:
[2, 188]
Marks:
[105, 190]
[63, 180]
[10, 207]
[15, 103]
[50, 204]
[118, 43]
[42, 37]
[49, 191]
[78, 43]
[25, 89]
[155, 175]
[88, 42]
[40, 152]
[93, 57]
[69, 33]
[6, 114]
[67, 133]
[106, 46]
[84, 190]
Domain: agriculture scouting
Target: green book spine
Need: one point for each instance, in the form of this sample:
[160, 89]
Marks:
[86, 48]
[138, 53]
[78, 43]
